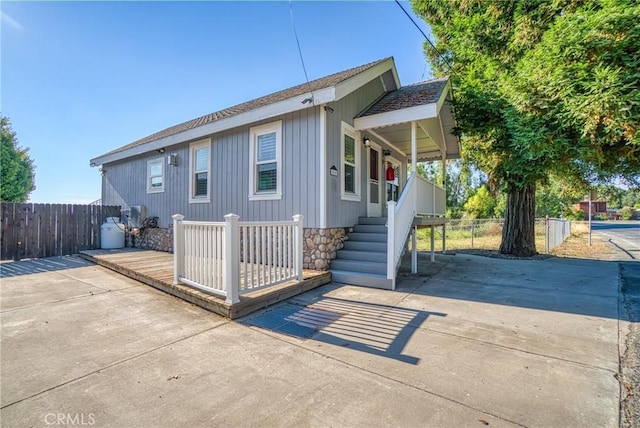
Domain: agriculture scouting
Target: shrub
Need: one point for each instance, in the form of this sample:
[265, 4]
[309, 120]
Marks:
[626, 213]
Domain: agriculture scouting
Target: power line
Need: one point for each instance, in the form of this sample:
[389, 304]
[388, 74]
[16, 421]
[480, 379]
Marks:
[293, 24]
[425, 37]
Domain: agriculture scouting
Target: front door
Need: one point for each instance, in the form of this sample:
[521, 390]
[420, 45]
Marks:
[374, 206]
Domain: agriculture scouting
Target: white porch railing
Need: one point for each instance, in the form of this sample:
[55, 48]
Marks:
[232, 257]
[419, 197]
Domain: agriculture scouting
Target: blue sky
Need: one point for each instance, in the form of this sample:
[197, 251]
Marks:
[82, 78]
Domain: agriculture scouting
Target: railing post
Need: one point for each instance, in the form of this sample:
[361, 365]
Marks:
[297, 246]
[391, 239]
[433, 197]
[232, 258]
[178, 247]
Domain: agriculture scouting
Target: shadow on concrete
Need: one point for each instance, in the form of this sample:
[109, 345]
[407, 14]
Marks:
[50, 264]
[630, 280]
[576, 286]
[376, 329]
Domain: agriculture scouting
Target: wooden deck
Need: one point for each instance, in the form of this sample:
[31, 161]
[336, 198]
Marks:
[155, 268]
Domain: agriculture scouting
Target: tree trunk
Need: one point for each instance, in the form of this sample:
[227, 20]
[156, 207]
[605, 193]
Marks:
[518, 233]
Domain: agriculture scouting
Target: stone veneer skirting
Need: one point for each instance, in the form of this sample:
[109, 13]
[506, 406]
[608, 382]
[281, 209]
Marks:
[151, 239]
[319, 246]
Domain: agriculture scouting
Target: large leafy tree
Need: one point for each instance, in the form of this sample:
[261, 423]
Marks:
[16, 167]
[541, 87]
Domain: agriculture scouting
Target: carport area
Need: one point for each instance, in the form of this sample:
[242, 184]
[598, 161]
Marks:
[475, 342]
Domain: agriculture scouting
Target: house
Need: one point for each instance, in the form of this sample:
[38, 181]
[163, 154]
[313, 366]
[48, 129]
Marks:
[336, 150]
[598, 209]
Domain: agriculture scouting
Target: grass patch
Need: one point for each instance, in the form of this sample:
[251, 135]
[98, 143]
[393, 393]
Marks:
[472, 234]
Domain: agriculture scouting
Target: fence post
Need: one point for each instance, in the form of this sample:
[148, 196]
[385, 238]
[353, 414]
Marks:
[473, 229]
[232, 258]
[297, 246]
[547, 232]
[178, 247]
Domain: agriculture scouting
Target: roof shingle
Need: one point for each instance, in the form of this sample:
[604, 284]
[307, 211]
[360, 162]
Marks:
[314, 85]
[409, 96]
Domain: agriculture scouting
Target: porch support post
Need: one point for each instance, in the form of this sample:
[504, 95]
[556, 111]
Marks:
[444, 186]
[444, 238]
[297, 246]
[444, 183]
[232, 258]
[178, 247]
[414, 250]
[433, 242]
[414, 147]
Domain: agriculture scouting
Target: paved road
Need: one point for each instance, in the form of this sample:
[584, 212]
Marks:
[625, 235]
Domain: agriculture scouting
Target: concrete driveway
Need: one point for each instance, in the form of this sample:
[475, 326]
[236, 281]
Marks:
[480, 342]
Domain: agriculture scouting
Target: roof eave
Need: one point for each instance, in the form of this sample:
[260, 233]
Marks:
[425, 111]
[347, 86]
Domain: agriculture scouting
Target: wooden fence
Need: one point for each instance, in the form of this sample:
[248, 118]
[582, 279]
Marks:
[47, 230]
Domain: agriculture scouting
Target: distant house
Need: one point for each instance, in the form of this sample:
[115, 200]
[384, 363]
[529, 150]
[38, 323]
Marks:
[598, 208]
[336, 150]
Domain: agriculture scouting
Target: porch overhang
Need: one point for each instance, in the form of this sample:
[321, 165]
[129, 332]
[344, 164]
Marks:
[428, 106]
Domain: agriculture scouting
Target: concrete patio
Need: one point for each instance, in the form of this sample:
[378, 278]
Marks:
[473, 342]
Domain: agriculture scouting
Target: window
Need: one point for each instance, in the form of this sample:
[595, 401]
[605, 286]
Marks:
[350, 164]
[265, 170]
[155, 175]
[199, 171]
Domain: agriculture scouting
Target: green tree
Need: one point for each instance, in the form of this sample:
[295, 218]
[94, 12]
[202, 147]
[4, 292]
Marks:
[459, 182]
[612, 194]
[17, 174]
[571, 213]
[541, 87]
[480, 204]
[631, 198]
[556, 194]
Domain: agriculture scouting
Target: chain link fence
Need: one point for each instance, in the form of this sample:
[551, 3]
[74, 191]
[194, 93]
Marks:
[486, 234]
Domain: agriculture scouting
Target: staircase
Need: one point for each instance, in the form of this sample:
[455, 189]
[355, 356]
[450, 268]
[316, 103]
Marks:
[363, 260]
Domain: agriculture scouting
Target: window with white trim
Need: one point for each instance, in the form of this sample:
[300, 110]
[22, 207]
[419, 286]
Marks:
[199, 171]
[350, 152]
[265, 169]
[155, 175]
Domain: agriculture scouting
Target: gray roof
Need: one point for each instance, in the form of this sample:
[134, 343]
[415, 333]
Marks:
[322, 83]
[417, 94]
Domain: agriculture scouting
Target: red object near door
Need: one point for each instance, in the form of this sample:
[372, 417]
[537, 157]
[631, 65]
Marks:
[391, 174]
